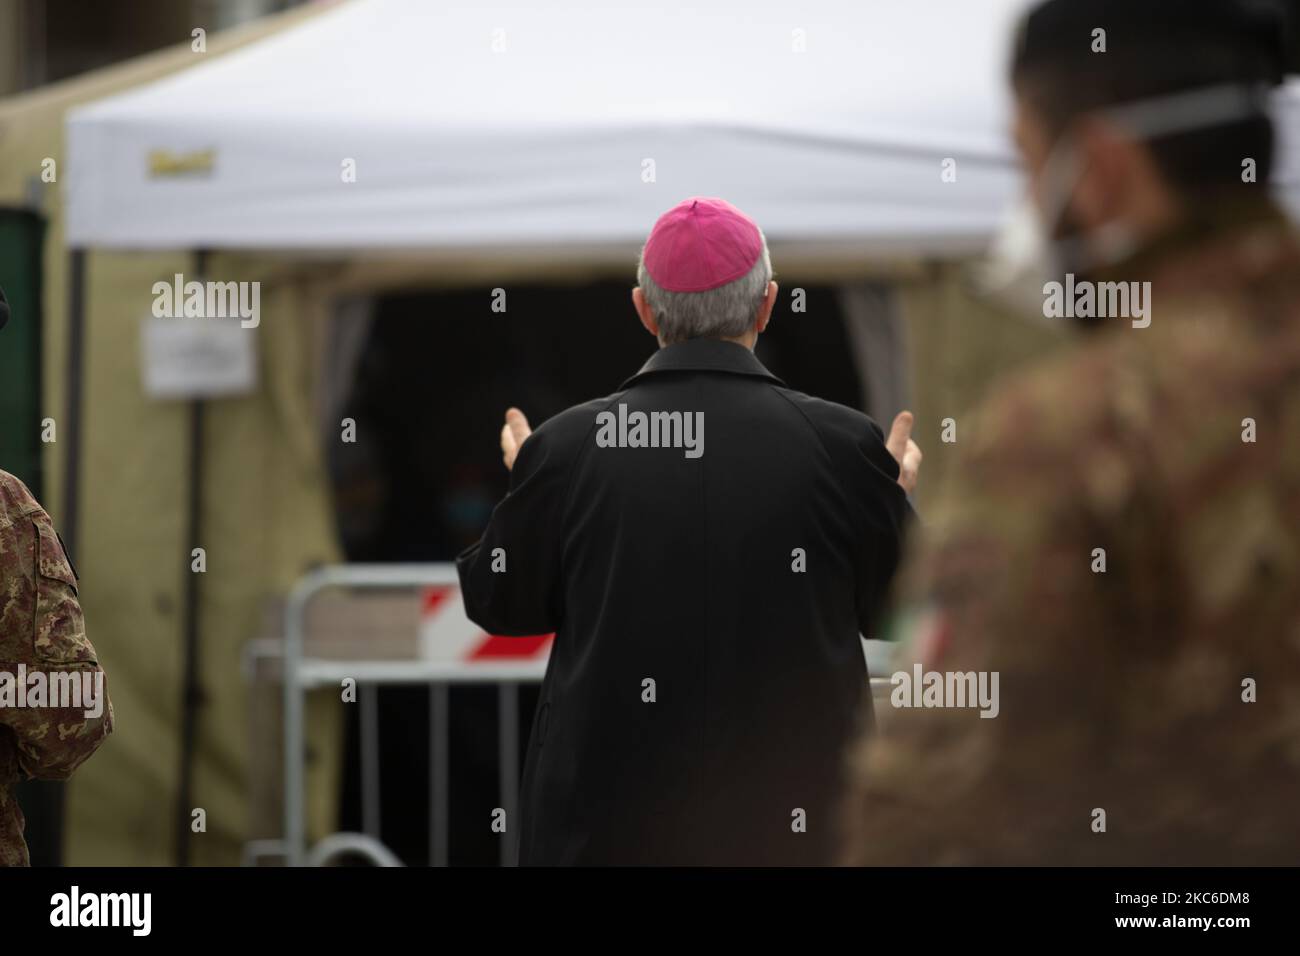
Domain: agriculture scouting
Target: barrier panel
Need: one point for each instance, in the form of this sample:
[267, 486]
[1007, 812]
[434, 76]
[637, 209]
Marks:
[449, 650]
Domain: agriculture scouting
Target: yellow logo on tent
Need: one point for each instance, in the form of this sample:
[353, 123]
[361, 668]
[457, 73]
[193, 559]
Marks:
[163, 162]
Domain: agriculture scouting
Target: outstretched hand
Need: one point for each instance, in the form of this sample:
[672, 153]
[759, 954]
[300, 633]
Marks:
[905, 451]
[513, 434]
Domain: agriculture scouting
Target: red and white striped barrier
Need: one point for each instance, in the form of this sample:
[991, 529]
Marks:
[446, 634]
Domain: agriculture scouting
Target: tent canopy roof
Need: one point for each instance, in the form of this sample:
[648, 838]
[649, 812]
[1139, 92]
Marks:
[469, 124]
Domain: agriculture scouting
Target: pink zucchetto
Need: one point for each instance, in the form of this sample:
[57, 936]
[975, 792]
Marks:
[701, 244]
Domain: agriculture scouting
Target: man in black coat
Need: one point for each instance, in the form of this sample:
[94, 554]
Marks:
[707, 545]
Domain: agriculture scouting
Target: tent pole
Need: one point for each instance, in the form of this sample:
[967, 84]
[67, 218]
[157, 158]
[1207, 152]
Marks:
[75, 370]
[53, 794]
[191, 690]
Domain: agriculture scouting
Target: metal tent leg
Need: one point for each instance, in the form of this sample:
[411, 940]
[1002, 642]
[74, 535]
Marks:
[439, 793]
[508, 757]
[370, 794]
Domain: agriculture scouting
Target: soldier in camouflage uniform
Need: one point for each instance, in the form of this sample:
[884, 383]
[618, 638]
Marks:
[42, 632]
[1123, 544]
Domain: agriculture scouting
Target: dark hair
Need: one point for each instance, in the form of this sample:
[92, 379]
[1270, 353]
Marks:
[1156, 49]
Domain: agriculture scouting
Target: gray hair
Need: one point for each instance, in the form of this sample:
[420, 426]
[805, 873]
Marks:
[728, 311]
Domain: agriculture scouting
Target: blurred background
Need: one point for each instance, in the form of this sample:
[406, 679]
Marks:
[441, 204]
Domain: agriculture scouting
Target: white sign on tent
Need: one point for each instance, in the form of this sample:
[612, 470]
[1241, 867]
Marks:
[197, 358]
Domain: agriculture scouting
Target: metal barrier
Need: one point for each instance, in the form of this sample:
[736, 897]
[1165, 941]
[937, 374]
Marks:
[341, 845]
[302, 673]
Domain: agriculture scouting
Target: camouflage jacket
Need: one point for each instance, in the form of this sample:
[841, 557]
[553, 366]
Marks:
[1122, 547]
[54, 709]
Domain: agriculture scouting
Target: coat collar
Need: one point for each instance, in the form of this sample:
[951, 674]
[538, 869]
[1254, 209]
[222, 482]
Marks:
[704, 355]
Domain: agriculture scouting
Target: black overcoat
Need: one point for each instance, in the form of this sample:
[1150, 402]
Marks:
[707, 597]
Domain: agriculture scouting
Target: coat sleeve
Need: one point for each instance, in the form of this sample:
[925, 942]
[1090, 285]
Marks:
[43, 640]
[886, 515]
[511, 579]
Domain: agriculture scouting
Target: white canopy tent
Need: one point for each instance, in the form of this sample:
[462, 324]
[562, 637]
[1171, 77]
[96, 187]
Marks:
[472, 124]
[493, 123]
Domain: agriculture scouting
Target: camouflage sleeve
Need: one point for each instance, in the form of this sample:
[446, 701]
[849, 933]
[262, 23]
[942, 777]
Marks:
[54, 707]
[1004, 624]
